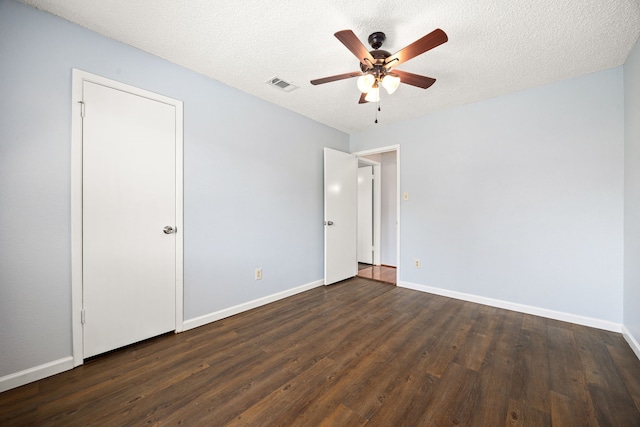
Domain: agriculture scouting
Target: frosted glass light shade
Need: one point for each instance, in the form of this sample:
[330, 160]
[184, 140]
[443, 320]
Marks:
[390, 83]
[373, 95]
[365, 83]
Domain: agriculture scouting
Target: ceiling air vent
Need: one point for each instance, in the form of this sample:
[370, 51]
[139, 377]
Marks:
[281, 84]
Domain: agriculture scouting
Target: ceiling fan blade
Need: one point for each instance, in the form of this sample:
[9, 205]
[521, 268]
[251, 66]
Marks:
[362, 100]
[420, 46]
[336, 77]
[415, 79]
[349, 39]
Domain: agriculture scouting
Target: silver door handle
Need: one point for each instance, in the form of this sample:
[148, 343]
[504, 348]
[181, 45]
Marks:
[328, 223]
[169, 229]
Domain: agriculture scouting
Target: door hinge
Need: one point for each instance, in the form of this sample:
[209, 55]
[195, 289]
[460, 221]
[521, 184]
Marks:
[82, 317]
[81, 108]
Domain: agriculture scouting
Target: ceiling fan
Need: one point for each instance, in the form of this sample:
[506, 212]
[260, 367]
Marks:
[377, 67]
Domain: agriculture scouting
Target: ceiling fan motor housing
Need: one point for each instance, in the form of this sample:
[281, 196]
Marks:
[379, 56]
[377, 68]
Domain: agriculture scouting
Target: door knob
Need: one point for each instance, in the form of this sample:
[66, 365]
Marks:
[328, 222]
[169, 229]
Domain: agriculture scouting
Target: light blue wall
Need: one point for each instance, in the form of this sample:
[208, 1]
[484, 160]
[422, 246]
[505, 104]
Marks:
[632, 193]
[518, 198]
[253, 188]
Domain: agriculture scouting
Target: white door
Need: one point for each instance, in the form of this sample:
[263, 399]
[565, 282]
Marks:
[365, 214]
[129, 196]
[340, 215]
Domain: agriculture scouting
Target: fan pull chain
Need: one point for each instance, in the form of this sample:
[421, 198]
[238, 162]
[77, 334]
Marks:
[378, 109]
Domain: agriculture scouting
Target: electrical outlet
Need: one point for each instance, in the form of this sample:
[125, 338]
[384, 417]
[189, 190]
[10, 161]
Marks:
[416, 263]
[258, 274]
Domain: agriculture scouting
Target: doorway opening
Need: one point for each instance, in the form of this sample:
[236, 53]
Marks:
[386, 215]
[341, 213]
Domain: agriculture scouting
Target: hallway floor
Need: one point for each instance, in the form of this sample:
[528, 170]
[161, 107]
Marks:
[381, 273]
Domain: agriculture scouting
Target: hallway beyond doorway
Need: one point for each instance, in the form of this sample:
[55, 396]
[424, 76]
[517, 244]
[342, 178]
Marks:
[380, 273]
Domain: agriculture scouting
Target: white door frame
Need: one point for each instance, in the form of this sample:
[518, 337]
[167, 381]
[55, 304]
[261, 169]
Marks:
[78, 78]
[387, 149]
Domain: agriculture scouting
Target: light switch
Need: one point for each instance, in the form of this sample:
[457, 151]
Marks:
[405, 196]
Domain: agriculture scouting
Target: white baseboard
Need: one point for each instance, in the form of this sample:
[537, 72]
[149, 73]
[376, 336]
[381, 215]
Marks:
[633, 343]
[521, 308]
[36, 373]
[227, 312]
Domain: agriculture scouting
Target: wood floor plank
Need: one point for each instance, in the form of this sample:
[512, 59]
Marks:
[455, 397]
[626, 363]
[351, 387]
[412, 398]
[283, 405]
[534, 323]
[203, 401]
[357, 353]
[613, 403]
[342, 416]
[521, 415]
[150, 353]
[613, 410]
[564, 412]
[368, 337]
[479, 339]
[361, 382]
[567, 378]
[100, 397]
[446, 345]
[530, 378]
[496, 372]
[443, 330]
[395, 359]
[597, 363]
[567, 373]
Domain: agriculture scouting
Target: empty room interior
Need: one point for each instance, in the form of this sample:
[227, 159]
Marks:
[179, 198]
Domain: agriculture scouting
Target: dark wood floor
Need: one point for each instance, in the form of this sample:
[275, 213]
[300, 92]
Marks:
[352, 354]
[380, 273]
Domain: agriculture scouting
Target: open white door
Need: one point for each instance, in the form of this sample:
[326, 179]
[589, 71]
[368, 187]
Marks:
[340, 215]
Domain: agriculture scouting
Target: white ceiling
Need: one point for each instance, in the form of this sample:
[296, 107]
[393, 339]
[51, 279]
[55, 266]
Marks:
[495, 47]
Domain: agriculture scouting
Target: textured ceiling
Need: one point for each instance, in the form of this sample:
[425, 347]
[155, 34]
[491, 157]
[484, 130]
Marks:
[495, 46]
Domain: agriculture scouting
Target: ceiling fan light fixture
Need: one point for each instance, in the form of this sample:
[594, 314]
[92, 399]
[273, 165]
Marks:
[365, 83]
[376, 65]
[390, 83]
[373, 95]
